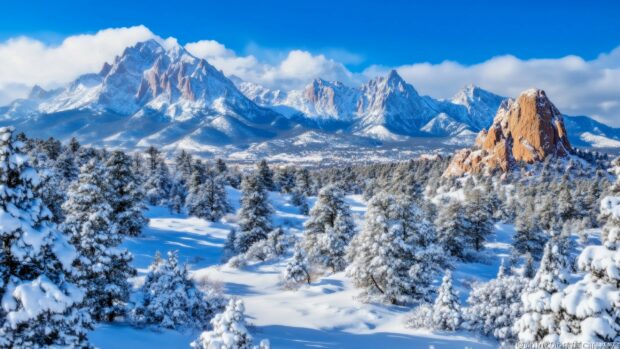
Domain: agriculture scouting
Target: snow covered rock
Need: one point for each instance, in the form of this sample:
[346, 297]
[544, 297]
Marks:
[527, 129]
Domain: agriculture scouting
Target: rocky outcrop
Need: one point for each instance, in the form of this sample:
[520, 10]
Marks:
[527, 129]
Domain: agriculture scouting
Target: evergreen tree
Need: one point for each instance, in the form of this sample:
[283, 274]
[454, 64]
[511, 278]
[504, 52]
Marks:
[230, 246]
[588, 309]
[298, 198]
[565, 203]
[157, 184]
[229, 330]
[52, 191]
[255, 213]
[40, 307]
[65, 167]
[303, 181]
[208, 200]
[285, 179]
[183, 164]
[393, 258]
[529, 236]
[178, 196]
[479, 214]
[220, 167]
[539, 322]
[170, 298]
[153, 159]
[126, 196]
[495, 306]
[451, 226]
[328, 230]
[265, 175]
[528, 267]
[273, 246]
[444, 314]
[103, 268]
[296, 271]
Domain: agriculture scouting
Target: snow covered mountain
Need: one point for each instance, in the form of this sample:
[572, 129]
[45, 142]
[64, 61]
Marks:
[389, 109]
[154, 93]
[385, 108]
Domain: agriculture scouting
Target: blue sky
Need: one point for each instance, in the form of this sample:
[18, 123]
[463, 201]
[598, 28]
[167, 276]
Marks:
[360, 32]
[571, 49]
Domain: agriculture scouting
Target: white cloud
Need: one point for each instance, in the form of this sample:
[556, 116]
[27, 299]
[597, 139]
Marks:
[292, 69]
[576, 86]
[26, 61]
[209, 49]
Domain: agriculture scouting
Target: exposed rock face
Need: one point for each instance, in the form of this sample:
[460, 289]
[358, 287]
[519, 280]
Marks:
[527, 129]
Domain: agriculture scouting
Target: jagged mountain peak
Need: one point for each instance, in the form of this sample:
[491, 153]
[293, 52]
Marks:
[37, 92]
[391, 83]
[471, 93]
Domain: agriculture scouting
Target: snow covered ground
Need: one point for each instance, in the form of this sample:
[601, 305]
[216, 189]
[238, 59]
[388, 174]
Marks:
[324, 314]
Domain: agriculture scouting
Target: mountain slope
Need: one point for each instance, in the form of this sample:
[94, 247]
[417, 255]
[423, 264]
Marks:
[388, 104]
[586, 132]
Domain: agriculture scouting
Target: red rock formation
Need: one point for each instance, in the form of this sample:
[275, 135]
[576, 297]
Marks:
[528, 129]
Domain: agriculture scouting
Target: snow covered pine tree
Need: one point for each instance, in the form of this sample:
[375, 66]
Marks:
[126, 195]
[102, 267]
[444, 314]
[539, 322]
[255, 213]
[495, 306]
[394, 258]
[328, 230]
[171, 299]
[296, 271]
[208, 200]
[40, 307]
[589, 310]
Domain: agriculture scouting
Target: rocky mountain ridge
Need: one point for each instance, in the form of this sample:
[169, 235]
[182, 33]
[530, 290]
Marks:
[156, 93]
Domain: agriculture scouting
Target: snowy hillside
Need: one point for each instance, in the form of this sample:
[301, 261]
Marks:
[324, 314]
[116, 250]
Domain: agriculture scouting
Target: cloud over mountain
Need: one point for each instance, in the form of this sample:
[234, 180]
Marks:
[27, 61]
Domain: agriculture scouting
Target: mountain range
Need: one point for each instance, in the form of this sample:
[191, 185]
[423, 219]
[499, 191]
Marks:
[159, 94]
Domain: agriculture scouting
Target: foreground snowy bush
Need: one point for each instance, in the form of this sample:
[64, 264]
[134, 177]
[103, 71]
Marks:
[495, 306]
[539, 322]
[296, 272]
[444, 314]
[170, 298]
[229, 331]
